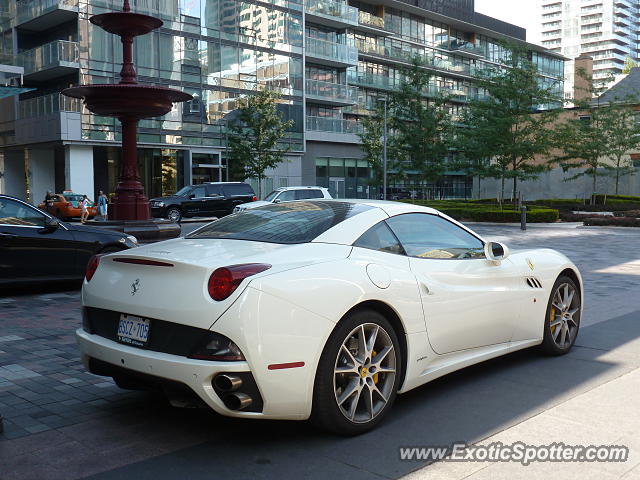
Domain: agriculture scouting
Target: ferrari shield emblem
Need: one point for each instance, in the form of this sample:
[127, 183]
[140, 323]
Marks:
[530, 263]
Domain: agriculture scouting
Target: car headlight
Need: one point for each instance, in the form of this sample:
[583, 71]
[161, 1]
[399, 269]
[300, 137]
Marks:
[160, 204]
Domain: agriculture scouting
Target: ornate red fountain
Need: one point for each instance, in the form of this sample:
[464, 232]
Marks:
[128, 102]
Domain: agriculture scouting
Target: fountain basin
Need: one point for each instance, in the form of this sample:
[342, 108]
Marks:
[126, 23]
[127, 100]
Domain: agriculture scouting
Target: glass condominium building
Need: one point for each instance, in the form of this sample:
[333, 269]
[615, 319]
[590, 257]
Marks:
[605, 30]
[331, 61]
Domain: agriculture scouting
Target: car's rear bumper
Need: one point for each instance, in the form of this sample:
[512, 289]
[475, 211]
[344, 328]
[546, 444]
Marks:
[115, 358]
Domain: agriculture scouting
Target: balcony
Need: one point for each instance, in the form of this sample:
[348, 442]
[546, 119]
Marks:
[47, 104]
[332, 129]
[372, 24]
[48, 118]
[466, 49]
[330, 93]
[330, 13]
[39, 15]
[330, 53]
[9, 68]
[49, 61]
[371, 80]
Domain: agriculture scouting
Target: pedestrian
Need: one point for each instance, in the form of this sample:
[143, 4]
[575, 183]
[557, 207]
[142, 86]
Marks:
[48, 199]
[103, 205]
[84, 209]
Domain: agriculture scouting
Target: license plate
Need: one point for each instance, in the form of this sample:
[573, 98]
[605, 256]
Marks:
[133, 330]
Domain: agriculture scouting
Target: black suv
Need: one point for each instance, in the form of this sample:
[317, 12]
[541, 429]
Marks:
[215, 199]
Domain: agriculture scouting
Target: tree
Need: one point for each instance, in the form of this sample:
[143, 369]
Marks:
[629, 63]
[623, 137]
[599, 138]
[512, 122]
[418, 130]
[421, 126]
[255, 135]
[583, 144]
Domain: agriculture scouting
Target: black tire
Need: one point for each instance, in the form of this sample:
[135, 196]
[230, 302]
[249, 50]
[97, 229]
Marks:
[174, 214]
[327, 414]
[558, 317]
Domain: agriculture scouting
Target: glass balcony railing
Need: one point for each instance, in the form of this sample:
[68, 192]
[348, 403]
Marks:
[386, 83]
[466, 47]
[331, 91]
[333, 125]
[47, 104]
[7, 59]
[366, 18]
[335, 52]
[50, 55]
[334, 10]
[372, 80]
[29, 9]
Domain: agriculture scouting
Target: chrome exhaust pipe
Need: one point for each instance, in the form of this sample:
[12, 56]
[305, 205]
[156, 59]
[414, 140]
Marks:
[227, 383]
[237, 401]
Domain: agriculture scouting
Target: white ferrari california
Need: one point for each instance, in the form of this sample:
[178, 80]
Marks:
[320, 309]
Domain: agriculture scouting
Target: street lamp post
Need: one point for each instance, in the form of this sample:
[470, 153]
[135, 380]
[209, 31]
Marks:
[384, 152]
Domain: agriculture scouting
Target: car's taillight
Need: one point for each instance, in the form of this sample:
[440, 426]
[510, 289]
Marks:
[68, 204]
[254, 199]
[224, 280]
[92, 266]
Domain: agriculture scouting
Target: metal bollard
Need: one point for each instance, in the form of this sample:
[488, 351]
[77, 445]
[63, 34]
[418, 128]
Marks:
[523, 217]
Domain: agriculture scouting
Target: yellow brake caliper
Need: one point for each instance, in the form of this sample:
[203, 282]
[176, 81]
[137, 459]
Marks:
[375, 375]
[552, 316]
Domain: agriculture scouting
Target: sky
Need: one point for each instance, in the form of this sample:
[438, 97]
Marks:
[523, 13]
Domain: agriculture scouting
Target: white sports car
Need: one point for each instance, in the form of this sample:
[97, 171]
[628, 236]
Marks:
[321, 309]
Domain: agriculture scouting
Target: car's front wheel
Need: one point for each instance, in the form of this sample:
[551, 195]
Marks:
[562, 320]
[358, 374]
[174, 214]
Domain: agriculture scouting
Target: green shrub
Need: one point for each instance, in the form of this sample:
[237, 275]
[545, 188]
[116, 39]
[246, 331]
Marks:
[617, 198]
[612, 222]
[488, 213]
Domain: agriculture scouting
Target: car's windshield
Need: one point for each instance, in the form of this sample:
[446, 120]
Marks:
[271, 196]
[296, 222]
[184, 191]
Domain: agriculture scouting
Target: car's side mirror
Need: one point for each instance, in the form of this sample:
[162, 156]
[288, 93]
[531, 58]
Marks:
[51, 224]
[496, 251]
[277, 200]
[192, 195]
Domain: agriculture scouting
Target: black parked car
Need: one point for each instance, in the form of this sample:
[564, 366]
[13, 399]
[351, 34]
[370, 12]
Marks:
[215, 199]
[36, 247]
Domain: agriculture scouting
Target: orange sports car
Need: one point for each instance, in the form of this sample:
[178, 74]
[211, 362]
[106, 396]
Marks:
[66, 205]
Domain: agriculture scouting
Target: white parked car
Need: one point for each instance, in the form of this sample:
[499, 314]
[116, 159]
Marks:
[287, 194]
[321, 309]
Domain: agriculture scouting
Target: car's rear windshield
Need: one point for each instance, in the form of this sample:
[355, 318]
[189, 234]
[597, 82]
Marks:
[237, 189]
[291, 222]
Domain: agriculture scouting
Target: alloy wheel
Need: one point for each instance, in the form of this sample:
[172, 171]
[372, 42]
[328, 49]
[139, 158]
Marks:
[364, 373]
[564, 315]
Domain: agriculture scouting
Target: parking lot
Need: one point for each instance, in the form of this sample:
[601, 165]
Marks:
[61, 422]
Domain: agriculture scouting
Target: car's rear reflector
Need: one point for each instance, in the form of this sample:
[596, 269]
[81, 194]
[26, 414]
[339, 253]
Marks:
[282, 366]
[142, 261]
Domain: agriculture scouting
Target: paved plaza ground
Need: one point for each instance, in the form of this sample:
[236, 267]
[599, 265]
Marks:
[63, 423]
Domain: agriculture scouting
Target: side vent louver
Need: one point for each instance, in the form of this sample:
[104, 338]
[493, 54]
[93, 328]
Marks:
[533, 282]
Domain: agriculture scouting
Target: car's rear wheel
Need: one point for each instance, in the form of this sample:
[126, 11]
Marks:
[562, 321]
[174, 214]
[358, 374]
